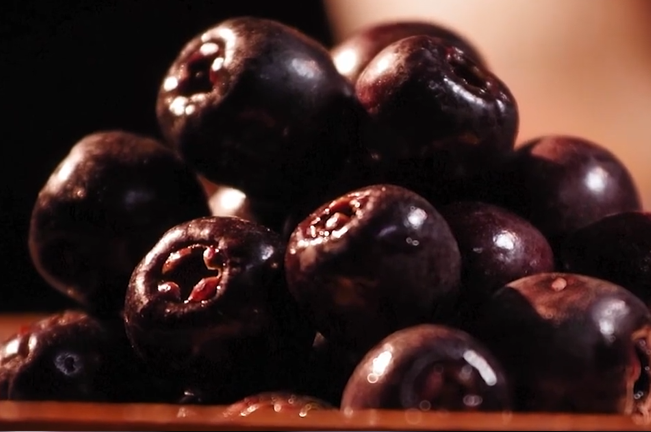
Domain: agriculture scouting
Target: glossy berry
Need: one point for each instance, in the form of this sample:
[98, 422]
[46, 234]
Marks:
[302, 209]
[562, 183]
[104, 206]
[259, 106]
[208, 308]
[496, 246]
[428, 367]
[284, 403]
[354, 53]
[450, 117]
[227, 201]
[570, 343]
[68, 356]
[371, 262]
[616, 248]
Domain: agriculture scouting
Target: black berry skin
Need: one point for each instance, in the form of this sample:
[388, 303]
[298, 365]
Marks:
[428, 367]
[68, 356]
[570, 343]
[208, 308]
[371, 262]
[496, 245]
[616, 248]
[354, 53]
[450, 117]
[259, 106]
[104, 206]
[562, 183]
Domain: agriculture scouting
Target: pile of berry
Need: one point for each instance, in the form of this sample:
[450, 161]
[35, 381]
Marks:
[373, 238]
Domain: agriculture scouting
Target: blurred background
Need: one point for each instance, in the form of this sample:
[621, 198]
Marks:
[580, 67]
[70, 68]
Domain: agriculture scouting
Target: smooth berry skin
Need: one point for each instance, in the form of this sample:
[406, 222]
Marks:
[276, 403]
[371, 262]
[449, 117]
[352, 55]
[69, 356]
[428, 367]
[616, 248]
[497, 246]
[229, 202]
[209, 309]
[101, 210]
[562, 183]
[256, 105]
[570, 343]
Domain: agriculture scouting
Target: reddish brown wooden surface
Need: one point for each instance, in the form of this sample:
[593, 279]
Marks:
[52, 416]
[80, 416]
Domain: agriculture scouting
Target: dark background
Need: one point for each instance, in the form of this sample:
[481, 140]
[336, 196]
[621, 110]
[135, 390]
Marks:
[72, 67]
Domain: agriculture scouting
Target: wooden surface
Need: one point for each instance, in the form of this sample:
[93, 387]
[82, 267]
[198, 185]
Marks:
[78, 416]
[51, 416]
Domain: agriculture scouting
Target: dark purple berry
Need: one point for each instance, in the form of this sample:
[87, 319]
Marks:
[450, 118]
[428, 367]
[496, 246]
[258, 106]
[276, 403]
[570, 343]
[102, 209]
[562, 183]
[208, 308]
[371, 262]
[69, 356]
[353, 54]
